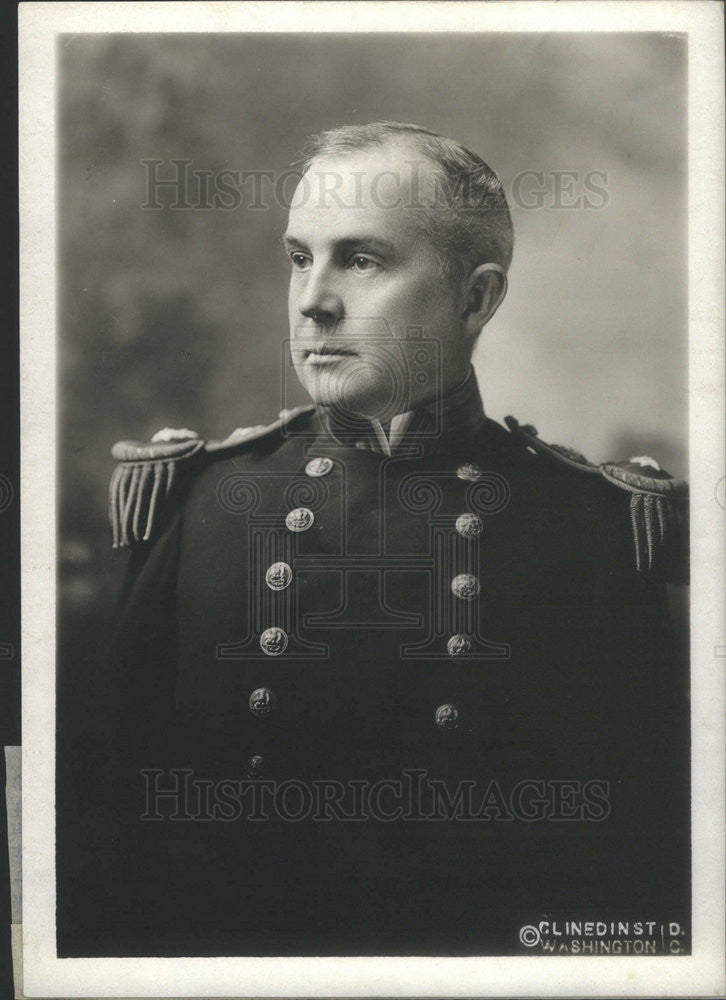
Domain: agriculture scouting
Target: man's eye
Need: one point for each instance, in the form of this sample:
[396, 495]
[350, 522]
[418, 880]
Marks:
[361, 263]
[299, 261]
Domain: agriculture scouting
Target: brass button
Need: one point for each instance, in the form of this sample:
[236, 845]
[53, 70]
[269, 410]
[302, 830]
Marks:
[299, 519]
[319, 466]
[278, 576]
[470, 471]
[255, 766]
[262, 702]
[465, 586]
[459, 645]
[273, 641]
[447, 716]
[469, 525]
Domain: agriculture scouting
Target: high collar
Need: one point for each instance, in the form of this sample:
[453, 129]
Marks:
[457, 413]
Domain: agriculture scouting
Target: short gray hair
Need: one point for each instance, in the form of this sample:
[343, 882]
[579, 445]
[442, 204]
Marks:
[469, 224]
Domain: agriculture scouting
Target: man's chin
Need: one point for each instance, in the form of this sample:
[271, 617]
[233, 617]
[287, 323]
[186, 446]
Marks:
[346, 393]
[355, 406]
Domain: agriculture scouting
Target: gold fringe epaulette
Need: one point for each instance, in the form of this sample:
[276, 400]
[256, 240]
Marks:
[143, 484]
[658, 515]
[149, 477]
[658, 504]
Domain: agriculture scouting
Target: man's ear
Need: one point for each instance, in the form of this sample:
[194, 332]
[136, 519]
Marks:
[484, 292]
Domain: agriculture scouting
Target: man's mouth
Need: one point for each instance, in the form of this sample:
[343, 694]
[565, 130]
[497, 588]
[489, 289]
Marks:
[325, 354]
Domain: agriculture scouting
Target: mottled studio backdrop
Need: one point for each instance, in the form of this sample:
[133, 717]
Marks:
[175, 317]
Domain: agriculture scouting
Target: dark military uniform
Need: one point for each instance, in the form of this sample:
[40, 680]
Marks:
[459, 625]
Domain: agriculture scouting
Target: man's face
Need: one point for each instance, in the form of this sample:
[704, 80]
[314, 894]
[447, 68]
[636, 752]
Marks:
[363, 275]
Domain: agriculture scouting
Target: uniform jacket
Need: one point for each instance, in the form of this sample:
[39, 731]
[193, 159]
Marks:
[461, 614]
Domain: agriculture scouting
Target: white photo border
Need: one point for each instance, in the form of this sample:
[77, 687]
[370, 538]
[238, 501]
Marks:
[700, 974]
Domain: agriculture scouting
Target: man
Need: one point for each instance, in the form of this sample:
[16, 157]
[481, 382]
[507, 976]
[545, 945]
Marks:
[396, 680]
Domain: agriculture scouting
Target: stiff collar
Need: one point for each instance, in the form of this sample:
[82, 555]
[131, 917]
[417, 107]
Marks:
[458, 412]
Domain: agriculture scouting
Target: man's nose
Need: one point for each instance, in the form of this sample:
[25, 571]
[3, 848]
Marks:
[319, 300]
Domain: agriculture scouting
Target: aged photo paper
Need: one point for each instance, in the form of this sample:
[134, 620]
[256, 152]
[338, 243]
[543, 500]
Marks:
[373, 493]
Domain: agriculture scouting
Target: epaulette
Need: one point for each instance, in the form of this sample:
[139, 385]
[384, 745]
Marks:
[658, 503]
[149, 477]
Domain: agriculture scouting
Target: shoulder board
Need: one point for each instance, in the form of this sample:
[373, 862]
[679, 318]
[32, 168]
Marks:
[658, 503]
[527, 434]
[149, 476]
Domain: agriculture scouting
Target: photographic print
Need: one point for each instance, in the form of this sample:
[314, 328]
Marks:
[366, 415]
